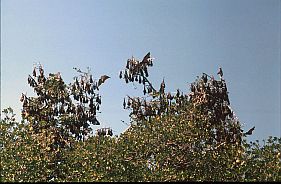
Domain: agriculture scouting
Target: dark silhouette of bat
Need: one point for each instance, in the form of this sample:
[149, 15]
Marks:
[91, 79]
[162, 87]
[124, 104]
[146, 57]
[34, 73]
[103, 79]
[249, 132]
[220, 72]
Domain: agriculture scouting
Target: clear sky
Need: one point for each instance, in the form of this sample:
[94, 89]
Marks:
[187, 37]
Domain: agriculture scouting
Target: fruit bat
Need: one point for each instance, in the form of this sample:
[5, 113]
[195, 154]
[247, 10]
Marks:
[128, 64]
[34, 72]
[249, 132]
[120, 75]
[169, 96]
[124, 104]
[102, 79]
[141, 72]
[178, 93]
[22, 97]
[76, 82]
[162, 86]
[220, 72]
[204, 77]
[110, 133]
[144, 90]
[140, 81]
[91, 79]
[41, 71]
[146, 57]
[145, 71]
[98, 99]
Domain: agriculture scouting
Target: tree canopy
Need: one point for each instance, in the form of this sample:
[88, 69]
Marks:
[192, 136]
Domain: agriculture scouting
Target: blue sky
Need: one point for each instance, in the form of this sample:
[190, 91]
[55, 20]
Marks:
[187, 37]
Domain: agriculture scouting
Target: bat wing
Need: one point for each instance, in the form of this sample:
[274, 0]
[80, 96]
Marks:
[249, 132]
[146, 57]
[103, 79]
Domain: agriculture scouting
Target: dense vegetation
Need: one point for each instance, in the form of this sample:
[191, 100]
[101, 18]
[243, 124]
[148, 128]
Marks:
[172, 137]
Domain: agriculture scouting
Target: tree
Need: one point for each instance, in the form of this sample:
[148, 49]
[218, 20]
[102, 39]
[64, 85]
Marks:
[61, 111]
[263, 162]
[186, 125]
[172, 137]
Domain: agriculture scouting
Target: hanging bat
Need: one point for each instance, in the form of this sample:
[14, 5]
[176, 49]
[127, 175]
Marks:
[124, 104]
[144, 90]
[22, 97]
[204, 77]
[120, 75]
[220, 72]
[162, 86]
[34, 72]
[41, 70]
[102, 79]
[91, 79]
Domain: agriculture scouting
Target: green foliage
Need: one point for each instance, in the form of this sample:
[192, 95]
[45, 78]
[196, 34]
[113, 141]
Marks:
[180, 137]
[263, 161]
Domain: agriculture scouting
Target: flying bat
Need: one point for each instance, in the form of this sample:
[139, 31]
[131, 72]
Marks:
[249, 132]
[146, 57]
[103, 79]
